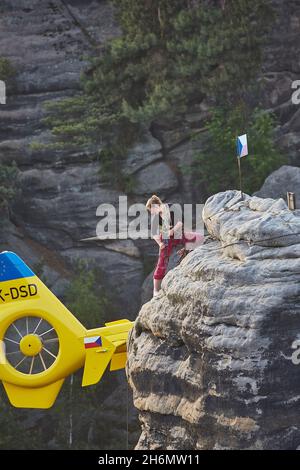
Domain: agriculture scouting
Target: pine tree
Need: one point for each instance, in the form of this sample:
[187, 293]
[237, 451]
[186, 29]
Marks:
[171, 54]
[8, 188]
[215, 168]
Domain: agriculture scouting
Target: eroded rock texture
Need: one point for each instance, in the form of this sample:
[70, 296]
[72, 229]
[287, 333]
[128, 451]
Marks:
[48, 43]
[285, 179]
[210, 357]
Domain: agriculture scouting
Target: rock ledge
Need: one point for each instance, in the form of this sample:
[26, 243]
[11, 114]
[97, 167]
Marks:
[210, 357]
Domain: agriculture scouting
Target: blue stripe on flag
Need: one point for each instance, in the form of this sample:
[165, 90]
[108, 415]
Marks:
[239, 147]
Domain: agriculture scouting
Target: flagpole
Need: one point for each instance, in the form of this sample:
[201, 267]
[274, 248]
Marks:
[242, 151]
[240, 175]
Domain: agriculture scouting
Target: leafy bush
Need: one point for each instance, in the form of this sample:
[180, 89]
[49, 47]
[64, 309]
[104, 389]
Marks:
[8, 185]
[85, 298]
[216, 167]
[7, 71]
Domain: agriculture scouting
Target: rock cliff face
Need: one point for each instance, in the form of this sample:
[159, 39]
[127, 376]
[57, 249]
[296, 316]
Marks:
[210, 357]
[285, 179]
[47, 43]
[281, 67]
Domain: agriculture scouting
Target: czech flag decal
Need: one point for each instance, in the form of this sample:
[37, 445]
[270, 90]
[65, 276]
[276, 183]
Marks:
[92, 342]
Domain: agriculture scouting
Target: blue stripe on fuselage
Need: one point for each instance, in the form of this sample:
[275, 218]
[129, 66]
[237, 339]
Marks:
[12, 267]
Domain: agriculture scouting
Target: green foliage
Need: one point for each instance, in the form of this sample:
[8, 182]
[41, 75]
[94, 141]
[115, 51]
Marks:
[85, 298]
[172, 53]
[216, 167]
[8, 184]
[12, 433]
[111, 164]
[93, 425]
[7, 71]
[36, 146]
[79, 405]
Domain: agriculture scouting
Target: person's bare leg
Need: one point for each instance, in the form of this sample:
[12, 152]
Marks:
[157, 286]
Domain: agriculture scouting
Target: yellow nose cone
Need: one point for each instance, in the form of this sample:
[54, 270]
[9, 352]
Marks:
[31, 345]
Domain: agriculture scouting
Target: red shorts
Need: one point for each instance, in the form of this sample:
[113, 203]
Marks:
[165, 253]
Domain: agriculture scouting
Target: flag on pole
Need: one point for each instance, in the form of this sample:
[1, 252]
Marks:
[242, 146]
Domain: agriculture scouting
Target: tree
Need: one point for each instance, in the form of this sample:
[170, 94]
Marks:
[85, 298]
[172, 53]
[8, 186]
[7, 71]
[216, 166]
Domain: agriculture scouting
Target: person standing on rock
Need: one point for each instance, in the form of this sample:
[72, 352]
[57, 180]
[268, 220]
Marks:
[169, 236]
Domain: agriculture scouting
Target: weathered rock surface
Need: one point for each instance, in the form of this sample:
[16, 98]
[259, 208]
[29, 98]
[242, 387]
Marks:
[48, 43]
[147, 287]
[60, 190]
[281, 67]
[210, 357]
[285, 179]
[143, 154]
[157, 178]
